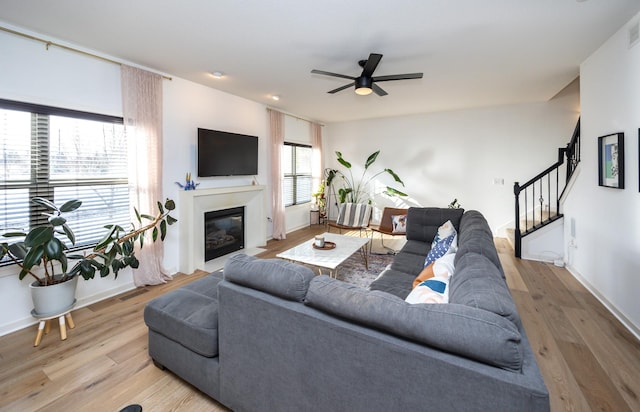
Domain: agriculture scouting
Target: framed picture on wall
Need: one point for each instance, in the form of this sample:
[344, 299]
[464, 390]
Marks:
[611, 160]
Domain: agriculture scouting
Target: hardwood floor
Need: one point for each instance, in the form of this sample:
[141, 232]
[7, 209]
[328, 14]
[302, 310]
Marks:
[588, 359]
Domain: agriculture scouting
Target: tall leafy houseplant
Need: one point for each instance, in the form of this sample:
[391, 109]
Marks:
[357, 191]
[42, 247]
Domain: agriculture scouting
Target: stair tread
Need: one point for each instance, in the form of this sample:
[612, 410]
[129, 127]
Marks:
[541, 224]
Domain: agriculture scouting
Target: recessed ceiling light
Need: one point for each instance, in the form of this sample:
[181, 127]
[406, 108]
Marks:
[217, 75]
[275, 97]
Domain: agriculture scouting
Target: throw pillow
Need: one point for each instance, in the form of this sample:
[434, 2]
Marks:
[398, 224]
[426, 273]
[444, 231]
[440, 249]
[444, 267]
[434, 290]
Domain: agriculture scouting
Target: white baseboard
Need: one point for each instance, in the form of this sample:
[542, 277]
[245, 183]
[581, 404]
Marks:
[82, 302]
[610, 307]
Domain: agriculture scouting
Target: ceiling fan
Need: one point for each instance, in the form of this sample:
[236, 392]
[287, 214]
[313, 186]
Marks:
[366, 83]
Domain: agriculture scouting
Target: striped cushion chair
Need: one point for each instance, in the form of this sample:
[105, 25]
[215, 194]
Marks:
[352, 216]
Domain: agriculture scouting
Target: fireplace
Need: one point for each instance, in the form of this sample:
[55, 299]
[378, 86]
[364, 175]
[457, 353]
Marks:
[193, 204]
[223, 232]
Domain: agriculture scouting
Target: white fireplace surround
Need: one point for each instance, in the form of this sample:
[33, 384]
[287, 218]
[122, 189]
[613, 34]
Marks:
[193, 204]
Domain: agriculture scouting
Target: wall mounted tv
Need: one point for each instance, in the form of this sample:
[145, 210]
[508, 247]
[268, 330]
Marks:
[226, 154]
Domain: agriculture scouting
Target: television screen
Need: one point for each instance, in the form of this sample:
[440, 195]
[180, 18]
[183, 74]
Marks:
[226, 154]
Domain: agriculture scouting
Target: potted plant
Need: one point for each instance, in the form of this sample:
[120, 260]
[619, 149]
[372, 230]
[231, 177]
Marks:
[320, 200]
[357, 191]
[41, 254]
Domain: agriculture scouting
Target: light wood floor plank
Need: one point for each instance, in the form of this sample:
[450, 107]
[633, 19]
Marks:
[564, 392]
[621, 369]
[588, 359]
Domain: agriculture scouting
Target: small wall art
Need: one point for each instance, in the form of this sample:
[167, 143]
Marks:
[611, 160]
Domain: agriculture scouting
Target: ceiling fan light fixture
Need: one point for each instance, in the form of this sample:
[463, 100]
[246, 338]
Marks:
[363, 86]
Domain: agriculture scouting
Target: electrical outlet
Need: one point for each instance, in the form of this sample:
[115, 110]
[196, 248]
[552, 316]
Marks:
[498, 181]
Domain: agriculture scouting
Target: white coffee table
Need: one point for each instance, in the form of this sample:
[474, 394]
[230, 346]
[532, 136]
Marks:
[328, 258]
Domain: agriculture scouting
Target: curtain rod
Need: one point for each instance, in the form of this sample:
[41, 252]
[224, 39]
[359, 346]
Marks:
[49, 43]
[294, 116]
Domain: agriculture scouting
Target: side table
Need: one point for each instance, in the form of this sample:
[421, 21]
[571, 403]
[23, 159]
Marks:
[316, 217]
[44, 326]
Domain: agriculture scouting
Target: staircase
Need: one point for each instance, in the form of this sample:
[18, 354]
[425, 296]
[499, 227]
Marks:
[537, 202]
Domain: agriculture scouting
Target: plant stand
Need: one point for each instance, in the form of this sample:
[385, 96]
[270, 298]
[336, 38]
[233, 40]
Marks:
[44, 327]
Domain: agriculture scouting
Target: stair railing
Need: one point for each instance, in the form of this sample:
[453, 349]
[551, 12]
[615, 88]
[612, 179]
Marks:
[546, 189]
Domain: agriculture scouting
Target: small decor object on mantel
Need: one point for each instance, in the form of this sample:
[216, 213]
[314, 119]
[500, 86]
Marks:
[611, 160]
[189, 184]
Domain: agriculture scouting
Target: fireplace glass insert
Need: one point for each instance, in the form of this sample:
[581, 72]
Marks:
[223, 232]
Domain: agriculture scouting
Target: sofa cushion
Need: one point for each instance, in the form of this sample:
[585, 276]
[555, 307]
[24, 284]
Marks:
[186, 317]
[207, 286]
[281, 278]
[458, 329]
[410, 259]
[478, 283]
[394, 282]
[423, 222]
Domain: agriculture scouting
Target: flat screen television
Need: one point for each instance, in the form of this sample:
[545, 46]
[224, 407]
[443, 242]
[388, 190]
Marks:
[226, 154]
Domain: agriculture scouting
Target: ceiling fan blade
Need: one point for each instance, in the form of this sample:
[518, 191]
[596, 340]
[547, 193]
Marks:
[378, 90]
[398, 77]
[346, 86]
[344, 76]
[371, 64]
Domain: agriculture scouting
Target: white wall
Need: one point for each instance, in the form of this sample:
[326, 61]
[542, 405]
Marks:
[604, 223]
[442, 156]
[188, 106]
[55, 77]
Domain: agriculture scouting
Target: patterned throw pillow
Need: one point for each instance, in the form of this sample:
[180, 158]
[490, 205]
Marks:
[398, 224]
[434, 290]
[444, 231]
[440, 249]
[426, 273]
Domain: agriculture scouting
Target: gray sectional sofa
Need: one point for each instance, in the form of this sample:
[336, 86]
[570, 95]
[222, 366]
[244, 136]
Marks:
[271, 336]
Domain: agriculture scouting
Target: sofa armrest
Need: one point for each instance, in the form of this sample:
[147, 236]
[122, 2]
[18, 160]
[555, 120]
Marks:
[276, 276]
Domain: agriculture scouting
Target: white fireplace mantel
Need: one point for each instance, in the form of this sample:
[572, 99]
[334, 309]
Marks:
[193, 204]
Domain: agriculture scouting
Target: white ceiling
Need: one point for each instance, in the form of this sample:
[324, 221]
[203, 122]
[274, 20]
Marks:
[473, 53]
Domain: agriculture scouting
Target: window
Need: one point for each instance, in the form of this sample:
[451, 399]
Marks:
[296, 166]
[62, 155]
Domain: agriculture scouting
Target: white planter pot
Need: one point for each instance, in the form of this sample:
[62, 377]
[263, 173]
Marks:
[53, 299]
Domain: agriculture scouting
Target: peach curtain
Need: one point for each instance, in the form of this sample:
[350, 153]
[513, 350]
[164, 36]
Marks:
[142, 112]
[316, 156]
[276, 141]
